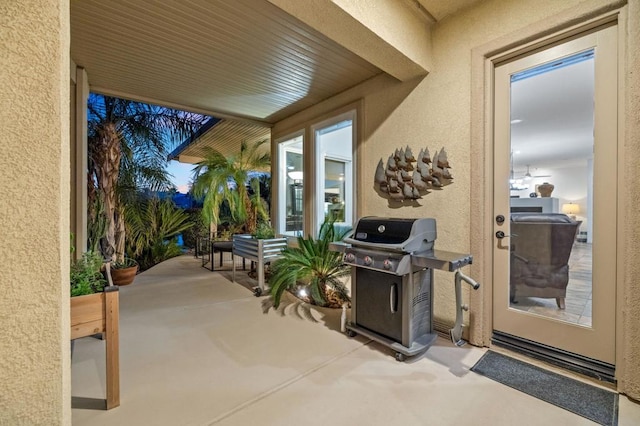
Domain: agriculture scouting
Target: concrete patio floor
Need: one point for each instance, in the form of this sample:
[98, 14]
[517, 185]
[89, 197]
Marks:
[198, 349]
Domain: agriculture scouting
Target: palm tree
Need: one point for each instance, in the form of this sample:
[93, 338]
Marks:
[218, 178]
[128, 143]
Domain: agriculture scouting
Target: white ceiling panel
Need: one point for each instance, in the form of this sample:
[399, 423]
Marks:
[242, 58]
[226, 137]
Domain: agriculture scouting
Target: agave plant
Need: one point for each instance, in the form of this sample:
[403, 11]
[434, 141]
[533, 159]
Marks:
[313, 263]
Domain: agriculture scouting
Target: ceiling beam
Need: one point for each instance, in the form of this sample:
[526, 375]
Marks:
[385, 33]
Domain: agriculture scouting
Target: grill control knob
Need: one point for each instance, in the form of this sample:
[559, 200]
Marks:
[386, 264]
[349, 257]
[367, 260]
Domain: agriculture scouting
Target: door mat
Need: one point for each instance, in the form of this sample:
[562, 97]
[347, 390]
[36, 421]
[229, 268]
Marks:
[594, 403]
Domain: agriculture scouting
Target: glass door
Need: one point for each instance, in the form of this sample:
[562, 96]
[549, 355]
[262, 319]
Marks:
[555, 158]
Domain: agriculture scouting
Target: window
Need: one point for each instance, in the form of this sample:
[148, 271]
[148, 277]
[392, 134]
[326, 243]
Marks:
[290, 189]
[333, 141]
[324, 165]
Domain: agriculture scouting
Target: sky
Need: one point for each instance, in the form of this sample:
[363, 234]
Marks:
[182, 173]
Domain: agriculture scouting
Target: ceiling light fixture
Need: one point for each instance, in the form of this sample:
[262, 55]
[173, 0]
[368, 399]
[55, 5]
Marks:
[295, 175]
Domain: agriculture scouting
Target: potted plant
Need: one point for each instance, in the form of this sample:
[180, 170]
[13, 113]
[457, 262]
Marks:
[314, 267]
[264, 231]
[261, 247]
[94, 309]
[123, 273]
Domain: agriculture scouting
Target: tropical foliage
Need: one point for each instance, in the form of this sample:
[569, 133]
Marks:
[220, 179]
[198, 228]
[96, 224]
[153, 227]
[127, 262]
[313, 263]
[128, 143]
[264, 231]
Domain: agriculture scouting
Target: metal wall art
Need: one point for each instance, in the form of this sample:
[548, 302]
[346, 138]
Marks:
[401, 180]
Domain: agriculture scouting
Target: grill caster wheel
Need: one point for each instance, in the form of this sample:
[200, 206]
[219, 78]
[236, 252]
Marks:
[351, 333]
[257, 292]
[400, 357]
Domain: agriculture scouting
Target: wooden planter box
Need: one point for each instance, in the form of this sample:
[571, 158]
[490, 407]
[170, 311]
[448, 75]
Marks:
[259, 251]
[98, 313]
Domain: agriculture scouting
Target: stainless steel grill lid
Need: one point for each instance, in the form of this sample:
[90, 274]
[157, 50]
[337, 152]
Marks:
[394, 234]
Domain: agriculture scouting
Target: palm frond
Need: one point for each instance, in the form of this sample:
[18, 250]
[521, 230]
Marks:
[311, 261]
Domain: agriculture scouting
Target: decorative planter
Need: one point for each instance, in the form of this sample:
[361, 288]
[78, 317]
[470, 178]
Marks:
[99, 314]
[124, 276]
[260, 251]
[546, 189]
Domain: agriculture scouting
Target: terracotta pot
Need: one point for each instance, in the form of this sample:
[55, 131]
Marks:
[546, 189]
[124, 276]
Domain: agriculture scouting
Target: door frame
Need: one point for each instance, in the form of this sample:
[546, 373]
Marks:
[542, 329]
[542, 35]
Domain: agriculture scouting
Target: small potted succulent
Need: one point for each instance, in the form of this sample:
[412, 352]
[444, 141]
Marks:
[124, 272]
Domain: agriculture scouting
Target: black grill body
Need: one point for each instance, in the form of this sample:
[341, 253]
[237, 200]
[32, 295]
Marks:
[392, 296]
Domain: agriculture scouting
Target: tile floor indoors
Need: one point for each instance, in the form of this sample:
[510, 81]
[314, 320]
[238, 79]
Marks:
[197, 349]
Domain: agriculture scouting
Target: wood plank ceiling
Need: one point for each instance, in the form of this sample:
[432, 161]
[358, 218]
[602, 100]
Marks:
[243, 60]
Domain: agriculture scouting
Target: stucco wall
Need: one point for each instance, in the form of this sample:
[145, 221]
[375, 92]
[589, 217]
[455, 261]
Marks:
[629, 300]
[432, 112]
[435, 111]
[34, 213]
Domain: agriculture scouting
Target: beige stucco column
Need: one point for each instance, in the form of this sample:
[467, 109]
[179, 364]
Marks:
[79, 97]
[34, 212]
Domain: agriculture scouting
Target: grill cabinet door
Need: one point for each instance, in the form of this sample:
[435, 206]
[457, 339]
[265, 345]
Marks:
[379, 303]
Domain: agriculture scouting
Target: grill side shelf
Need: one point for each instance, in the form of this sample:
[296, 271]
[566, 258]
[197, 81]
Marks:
[440, 259]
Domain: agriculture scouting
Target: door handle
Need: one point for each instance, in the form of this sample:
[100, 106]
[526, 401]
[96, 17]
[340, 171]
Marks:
[393, 296]
[500, 235]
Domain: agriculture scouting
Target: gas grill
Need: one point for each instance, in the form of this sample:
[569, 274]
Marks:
[392, 264]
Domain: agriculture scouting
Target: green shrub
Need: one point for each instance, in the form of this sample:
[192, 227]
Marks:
[199, 228]
[153, 227]
[264, 231]
[86, 277]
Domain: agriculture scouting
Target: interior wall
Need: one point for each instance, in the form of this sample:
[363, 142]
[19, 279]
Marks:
[34, 213]
[432, 112]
